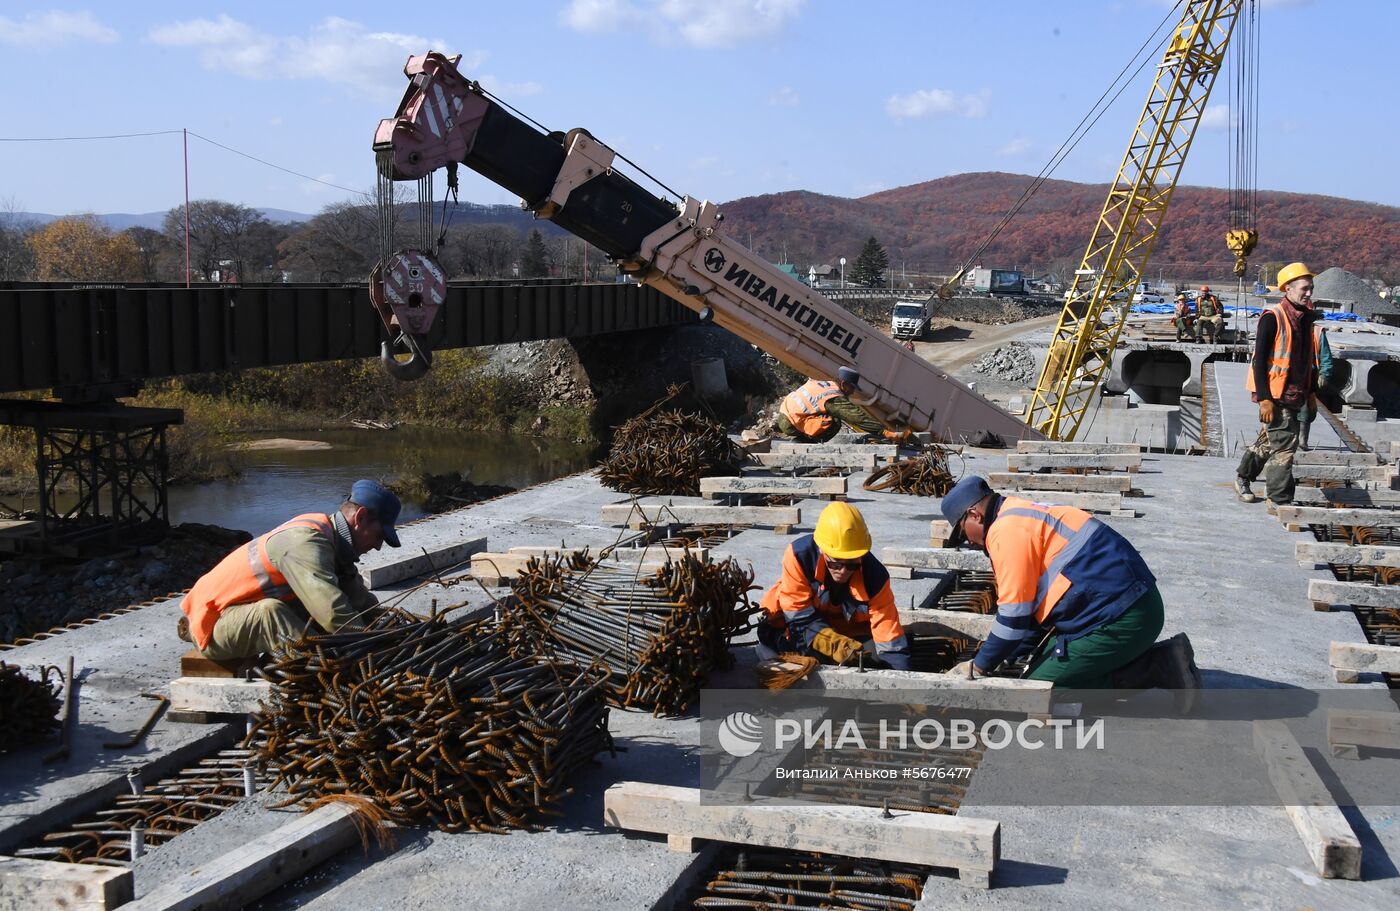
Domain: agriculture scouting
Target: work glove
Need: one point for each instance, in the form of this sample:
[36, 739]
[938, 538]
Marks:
[966, 671]
[1266, 411]
[897, 436]
[835, 646]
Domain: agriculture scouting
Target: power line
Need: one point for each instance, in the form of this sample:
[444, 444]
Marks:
[85, 138]
[271, 165]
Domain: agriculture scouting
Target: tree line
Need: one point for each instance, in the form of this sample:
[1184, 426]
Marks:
[233, 242]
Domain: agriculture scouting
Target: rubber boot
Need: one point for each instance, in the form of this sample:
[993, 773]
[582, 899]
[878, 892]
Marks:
[1303, 436]
[1167, 665]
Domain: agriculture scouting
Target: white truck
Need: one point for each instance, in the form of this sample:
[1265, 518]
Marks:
[911, 319]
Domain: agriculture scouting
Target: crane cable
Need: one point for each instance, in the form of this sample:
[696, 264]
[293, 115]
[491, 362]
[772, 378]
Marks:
[1075, 136]
[1242, 235]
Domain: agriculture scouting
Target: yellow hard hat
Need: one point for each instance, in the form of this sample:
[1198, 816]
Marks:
[1292, 271]
[841, 532]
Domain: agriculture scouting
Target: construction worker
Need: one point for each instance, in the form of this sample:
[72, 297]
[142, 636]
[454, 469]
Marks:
[815, 411]
[1210, 316]
[1282, 378]
[1308, 412]
[1074, 591]
[266, 592]
[833, 599]
[1182, 317]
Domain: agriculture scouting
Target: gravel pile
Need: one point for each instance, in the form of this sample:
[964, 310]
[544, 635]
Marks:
[1013, 363]
[36, 596]
[1338, 286]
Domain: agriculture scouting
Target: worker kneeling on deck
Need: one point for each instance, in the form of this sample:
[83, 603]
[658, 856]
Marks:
[1069, 579]
[834, 597]
[815, 411]
[265, 592]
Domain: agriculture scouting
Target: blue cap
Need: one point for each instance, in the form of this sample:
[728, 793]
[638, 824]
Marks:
[848, 375]
[381, 501]
[963, 495]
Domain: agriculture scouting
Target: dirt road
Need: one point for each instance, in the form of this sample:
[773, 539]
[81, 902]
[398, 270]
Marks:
[958, 343]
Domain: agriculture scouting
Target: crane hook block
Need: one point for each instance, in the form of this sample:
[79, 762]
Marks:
[407, 294]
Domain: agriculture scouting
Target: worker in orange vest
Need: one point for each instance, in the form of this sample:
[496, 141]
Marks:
[1071, 592]
[268, 591]
[815, 411]
[834, 599]
[1282, 378]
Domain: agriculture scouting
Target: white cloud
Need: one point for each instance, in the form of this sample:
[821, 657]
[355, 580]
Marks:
[936, 103]
[785, 97]
[698, 23]
[1018, 146]
[335, 50]
[1216, 117]
[54, 27]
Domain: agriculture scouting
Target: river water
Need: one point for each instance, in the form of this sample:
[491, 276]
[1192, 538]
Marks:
[277, 484]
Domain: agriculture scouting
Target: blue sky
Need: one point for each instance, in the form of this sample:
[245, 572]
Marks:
[717, 98]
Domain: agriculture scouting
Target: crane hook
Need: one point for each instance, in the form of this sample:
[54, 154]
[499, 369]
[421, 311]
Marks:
[407, 293]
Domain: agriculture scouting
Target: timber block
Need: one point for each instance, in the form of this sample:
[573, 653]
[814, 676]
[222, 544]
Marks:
[29, 883]
[193, 664]
[217, 696]
[1348, 730]
[973, 845]
[1326, 834]
[385, 567]
[1360, 657]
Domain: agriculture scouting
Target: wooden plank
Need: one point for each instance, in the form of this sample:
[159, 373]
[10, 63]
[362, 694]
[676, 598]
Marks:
[657, 513]
[1035, 461]
[1329, 591]
[802, 487]
[1381, 474]
[1089, 502]
[1318, 515]
[1081, 483]
[853, 460]
[193, 664]
[1346, 554]
[1346, 496]
[1349, 729]
[1326, 834]
[1053, 447]
[979, 626]
[915, 838]
[936, 558]
[883, 450]
[1335, 457]
[387, 566]
[26, 883]
[1361, 657]
[254, 869]
[217, 696]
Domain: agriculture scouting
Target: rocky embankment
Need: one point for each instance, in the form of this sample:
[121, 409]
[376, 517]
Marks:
[1013, 363]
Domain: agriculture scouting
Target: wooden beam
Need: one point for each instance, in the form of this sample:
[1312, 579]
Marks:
[1381, 474]
[1327, 836]
[1054, 447]
[1328, 591]
[218, 696]
[254, 869]
[800, 487]
[1035, 461]
[936, 558]
[1361, 657]
[1080, 483]
[417, 561]
[658, 513]
[978, 626]
[1346, 554]
[854, 460]
[1346, 496]
[1317, 515]
[971, 845]
[1333, 457]
[1348, 730]
[26, 883]
[883, 450]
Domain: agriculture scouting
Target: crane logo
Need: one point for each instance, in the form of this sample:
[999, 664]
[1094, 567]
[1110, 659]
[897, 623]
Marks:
[714, 260]
[741, 734]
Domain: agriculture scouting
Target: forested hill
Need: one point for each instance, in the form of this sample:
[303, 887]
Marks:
[939, 223]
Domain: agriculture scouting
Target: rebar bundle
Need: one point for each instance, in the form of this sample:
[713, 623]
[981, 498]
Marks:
[924, 475]
[668, 452]
[789, 880]
[432, 720]
[658, 635]
[28, 707]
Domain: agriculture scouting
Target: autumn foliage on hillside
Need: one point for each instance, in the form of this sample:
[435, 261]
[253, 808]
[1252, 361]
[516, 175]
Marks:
[942, 222]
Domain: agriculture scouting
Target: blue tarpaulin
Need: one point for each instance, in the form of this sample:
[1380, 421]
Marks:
[1168, 309]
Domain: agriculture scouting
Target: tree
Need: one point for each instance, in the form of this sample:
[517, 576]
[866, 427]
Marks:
[16, 259]
[81, 248]
[535, 260]
[871, 264]
[219, 232]
[152, 248]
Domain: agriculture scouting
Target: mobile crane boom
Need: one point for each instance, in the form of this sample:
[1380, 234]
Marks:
[678, 248]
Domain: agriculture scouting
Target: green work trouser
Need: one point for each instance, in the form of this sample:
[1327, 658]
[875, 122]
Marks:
[247, 630]
[1089, 660]
[1272, 454]
[786, 428]
[1209, 325]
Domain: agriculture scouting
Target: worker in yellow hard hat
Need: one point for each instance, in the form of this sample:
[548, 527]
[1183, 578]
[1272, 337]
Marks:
[1283, 379]
[833, 599]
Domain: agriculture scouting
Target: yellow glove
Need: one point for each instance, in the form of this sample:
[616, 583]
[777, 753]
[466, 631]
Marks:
[835, 646]
[967, 670]
[1266, 411]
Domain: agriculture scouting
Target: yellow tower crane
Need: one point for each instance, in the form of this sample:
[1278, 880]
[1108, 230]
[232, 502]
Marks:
[1116, 258]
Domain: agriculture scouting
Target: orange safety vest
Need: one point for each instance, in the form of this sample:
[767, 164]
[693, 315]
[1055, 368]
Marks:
[805, 406]
[243, 576]
[1278, 358]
